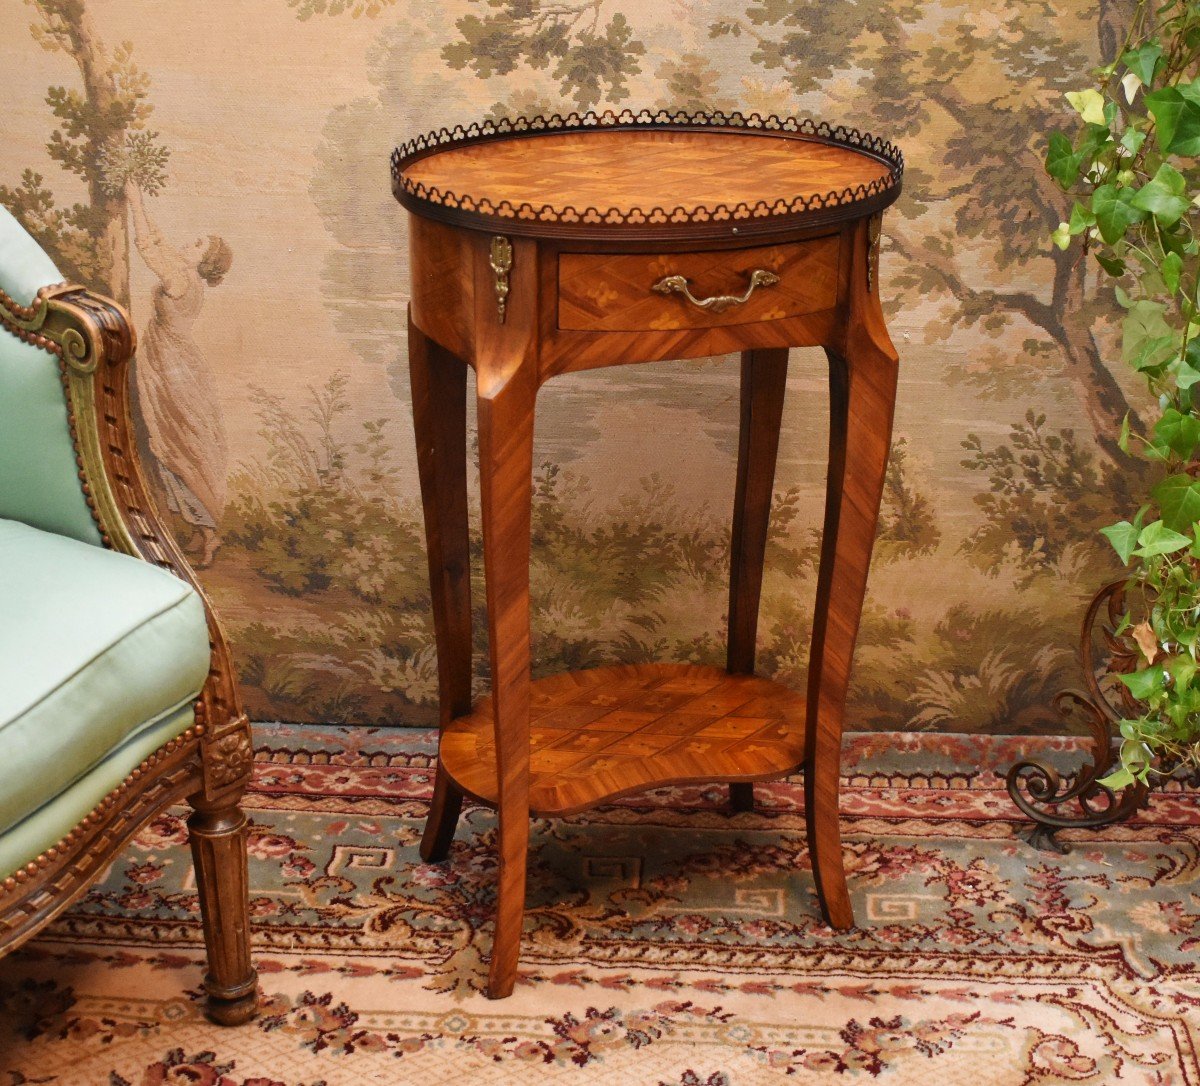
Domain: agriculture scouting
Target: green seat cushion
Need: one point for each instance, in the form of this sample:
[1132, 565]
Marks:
[95, 649]
[39, 482]
[53, 820]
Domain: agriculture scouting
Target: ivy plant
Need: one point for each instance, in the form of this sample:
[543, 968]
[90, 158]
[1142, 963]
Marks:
[1131, 167]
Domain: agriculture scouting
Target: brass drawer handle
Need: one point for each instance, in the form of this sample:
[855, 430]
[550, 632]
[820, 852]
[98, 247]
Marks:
[718, 303]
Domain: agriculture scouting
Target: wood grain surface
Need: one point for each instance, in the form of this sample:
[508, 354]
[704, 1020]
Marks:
[566, 743]
[439, 403]
[627, 170]
[595, 735]
[611, 291]
[506, 368]
[863, 371]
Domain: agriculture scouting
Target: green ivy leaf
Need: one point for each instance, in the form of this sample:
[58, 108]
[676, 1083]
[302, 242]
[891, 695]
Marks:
[1111, 264]
[1186, 375]
[1062, 163]
[1172, 270]
[1147, 340]
[1162, 195]
[1062, 235]
[1123, 537]
[1095, 138]
[1177, 121]
[1123, 435]
[1179, 433]
[1114, 212]
[1157, 538]
[1144, 684]
[1135, 755]
[1182, 669]
[1178, 497]
[1143, 60]
[1081, 219]
[1118, 779]
[1132, 140]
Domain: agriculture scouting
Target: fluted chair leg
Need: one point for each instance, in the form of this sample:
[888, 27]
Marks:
[218, 837]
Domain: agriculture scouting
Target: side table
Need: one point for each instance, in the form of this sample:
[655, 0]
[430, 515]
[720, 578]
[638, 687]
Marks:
[550, 245]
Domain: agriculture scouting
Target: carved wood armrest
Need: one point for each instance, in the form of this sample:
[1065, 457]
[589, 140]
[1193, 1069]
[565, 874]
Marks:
[94, 341]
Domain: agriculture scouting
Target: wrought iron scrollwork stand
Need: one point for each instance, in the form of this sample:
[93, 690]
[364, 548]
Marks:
[1037, 788]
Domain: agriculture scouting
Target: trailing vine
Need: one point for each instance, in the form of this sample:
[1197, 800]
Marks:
[1132, 169]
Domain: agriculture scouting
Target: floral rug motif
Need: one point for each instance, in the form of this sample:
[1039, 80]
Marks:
[667, 941]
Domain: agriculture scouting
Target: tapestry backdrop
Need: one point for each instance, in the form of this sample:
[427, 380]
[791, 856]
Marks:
[227, 177]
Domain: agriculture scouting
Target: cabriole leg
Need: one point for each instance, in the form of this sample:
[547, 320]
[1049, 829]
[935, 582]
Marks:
[763, 381]
[439, 387]
[862, 384]
[506, 473]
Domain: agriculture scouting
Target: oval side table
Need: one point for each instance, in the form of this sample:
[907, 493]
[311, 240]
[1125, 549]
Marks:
[544, 246]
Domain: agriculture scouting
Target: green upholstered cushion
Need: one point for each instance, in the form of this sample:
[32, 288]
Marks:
[52, 821]
[39, 483]
[96, 648]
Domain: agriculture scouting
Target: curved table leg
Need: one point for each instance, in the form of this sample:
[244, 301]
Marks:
[506, 478]
[506, 377]
[763, 381]
[862, 386]
[439, 404]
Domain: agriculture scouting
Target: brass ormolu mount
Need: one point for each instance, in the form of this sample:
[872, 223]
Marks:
[501, 259]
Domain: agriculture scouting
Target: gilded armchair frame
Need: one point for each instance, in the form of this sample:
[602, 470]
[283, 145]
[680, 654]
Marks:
[209, 764]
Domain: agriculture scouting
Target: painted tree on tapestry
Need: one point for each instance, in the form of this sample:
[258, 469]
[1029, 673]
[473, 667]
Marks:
[970, 93]
[592, 57]
[972, 665]
[102, 138]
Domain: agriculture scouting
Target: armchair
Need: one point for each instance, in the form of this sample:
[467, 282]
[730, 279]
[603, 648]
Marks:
[117, 696]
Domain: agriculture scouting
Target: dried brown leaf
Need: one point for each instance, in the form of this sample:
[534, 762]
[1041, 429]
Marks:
[1143, 634]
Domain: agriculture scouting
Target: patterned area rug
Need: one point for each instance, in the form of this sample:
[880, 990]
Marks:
[667, 941]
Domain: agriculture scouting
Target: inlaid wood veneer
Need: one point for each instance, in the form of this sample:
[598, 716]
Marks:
[612, 291]
[595, 735]
[549, 245]
[644, 169]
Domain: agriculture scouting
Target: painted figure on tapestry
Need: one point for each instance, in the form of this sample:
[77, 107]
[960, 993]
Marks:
[177, 394]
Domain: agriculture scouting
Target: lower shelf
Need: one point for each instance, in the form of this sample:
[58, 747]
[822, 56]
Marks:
[595, 735]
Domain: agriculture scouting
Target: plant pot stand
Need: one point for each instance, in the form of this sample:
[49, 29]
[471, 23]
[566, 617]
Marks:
[1037, 787]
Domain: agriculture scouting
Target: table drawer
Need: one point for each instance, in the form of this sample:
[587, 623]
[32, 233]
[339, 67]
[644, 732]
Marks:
[625, 292]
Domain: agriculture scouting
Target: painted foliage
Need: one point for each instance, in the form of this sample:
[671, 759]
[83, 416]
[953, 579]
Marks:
[229, 181]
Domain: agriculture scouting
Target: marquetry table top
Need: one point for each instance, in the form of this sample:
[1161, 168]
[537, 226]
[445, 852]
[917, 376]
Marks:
[592, 173]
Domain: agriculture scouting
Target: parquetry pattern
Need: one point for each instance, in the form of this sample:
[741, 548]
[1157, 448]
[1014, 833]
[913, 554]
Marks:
[616, 730]
[577, 178]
